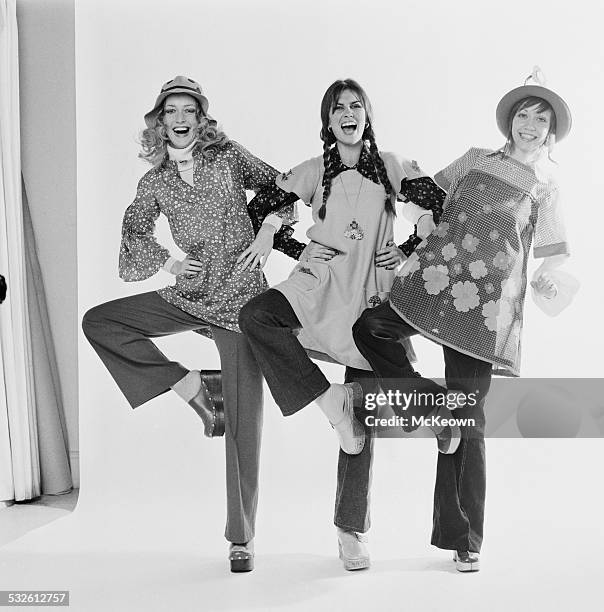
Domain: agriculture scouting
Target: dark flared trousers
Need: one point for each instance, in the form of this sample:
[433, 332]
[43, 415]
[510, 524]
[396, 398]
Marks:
[120, 332]
[460, 488]
[270, 324]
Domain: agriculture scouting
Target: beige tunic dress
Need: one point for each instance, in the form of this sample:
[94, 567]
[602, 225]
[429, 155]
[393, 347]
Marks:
[328, 297]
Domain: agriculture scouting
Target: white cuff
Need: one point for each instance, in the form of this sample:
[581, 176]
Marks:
[274, 220]
[412, 212]
[169, 263]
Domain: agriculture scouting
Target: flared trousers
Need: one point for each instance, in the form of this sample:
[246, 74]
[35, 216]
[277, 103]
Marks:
[121, 333]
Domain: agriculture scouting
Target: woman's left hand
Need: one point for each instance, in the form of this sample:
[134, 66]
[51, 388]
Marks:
[256, 255]
[389, 257]
[545, 286]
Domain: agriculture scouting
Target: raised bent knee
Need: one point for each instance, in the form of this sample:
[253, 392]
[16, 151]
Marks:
[94, 321]
[258, 312]
[365, 325]
[246, 316]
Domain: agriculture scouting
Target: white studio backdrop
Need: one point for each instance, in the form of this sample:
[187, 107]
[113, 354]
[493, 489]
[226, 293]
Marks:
[434, 73]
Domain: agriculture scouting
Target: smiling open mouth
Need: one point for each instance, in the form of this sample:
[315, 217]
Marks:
[527, 137]
[181, 131]
[349, 127]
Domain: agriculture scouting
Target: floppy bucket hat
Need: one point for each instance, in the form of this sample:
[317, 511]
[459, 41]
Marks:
[182, 85]
[534, 86]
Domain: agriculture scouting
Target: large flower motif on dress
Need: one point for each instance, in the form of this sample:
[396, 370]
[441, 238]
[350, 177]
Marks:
[470, 243]
[497, 314]
[510, 288]
[478, 269]
[466, 296]
[449, 251]
[437, 279]
[501, 260]
[410, 266]
[441, 229]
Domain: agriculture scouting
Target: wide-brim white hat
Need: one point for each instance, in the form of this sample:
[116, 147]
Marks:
[538, 90]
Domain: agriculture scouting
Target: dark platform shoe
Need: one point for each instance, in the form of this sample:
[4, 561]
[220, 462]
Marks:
[241, 557]
[209, 403]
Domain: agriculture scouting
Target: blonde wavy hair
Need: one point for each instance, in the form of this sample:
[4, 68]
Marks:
[154, 141]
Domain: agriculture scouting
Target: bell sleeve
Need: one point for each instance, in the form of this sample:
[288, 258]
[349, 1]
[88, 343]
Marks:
[141, 256]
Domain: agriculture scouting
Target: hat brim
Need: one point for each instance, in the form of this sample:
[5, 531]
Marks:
[152, 114]
[559, 106]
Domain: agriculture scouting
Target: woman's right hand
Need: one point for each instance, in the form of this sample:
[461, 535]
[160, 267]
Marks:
[545, 286]
[316, 252]
[188, 267]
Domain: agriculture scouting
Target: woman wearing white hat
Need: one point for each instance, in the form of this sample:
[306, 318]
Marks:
[464, 288]
[198, 181]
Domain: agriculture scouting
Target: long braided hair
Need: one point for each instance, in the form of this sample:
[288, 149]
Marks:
[328, 105]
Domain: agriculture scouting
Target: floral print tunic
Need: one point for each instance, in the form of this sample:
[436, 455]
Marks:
[464, 286]
[210, 221]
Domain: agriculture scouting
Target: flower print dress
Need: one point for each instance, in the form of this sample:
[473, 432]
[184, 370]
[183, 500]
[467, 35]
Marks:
[211, 221]
[328, 297]
[464, 286]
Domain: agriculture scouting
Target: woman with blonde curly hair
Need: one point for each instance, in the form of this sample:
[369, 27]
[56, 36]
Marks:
[198, 181]
[155, 141]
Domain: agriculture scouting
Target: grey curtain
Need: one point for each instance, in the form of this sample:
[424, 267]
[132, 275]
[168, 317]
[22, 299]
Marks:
[55, 471]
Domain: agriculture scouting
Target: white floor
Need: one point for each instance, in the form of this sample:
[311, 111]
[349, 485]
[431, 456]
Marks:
[17, 519]
[147, 532]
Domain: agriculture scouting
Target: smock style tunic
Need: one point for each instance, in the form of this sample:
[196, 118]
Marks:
[328, 297]
[210, 221]
[465, 284]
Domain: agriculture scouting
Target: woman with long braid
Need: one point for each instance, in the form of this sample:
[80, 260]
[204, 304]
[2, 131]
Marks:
[347, 267]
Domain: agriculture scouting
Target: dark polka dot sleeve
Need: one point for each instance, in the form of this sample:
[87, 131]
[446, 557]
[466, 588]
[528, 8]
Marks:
[288, 245]
[426, 193]
[271, 199]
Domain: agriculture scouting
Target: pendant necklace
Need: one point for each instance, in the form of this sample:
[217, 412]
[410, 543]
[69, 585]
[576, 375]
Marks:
[353, 230]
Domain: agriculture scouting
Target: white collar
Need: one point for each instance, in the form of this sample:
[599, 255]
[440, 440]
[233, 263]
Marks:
[182, 156]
